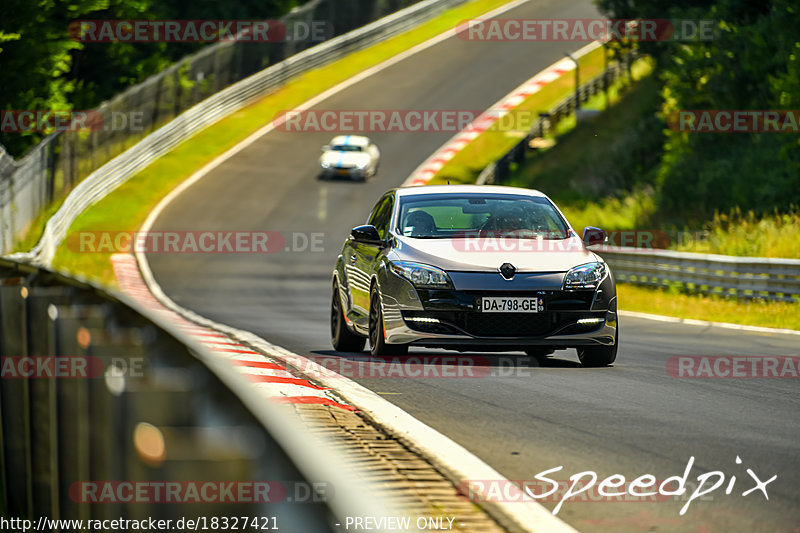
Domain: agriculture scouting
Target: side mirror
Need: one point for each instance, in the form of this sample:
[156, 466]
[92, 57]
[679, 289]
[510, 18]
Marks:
[592, 235]
[326, 147]
[367, 234]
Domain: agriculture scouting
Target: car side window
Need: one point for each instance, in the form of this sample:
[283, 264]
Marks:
[374, 213]
[381, 216]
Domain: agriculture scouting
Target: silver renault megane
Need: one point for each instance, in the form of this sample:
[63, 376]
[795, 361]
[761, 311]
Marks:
[468, 267]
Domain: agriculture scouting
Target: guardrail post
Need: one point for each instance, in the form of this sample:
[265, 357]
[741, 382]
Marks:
[73, 403]
[3, 490]
[120, 349]
[15, 401]
[44, 427]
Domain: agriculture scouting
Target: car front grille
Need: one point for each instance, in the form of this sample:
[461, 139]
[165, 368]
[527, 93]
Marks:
[507, 324]
[502, 324]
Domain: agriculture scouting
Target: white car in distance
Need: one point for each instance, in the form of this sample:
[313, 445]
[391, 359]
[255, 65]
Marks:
[349, 156]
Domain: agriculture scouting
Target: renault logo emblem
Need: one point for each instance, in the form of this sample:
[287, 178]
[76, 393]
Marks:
[507, 270]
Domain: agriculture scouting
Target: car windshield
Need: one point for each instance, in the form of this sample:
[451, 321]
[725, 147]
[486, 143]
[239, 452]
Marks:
[448, 216]
[345, 148]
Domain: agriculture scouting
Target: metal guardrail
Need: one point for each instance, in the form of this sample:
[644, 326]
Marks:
[151, 406]
[162, 98]
[742, 277]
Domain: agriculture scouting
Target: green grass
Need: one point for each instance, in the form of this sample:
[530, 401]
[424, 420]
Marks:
[712, 308]
[465, 166]
[735, 233]
[611, 213]
[126, 208]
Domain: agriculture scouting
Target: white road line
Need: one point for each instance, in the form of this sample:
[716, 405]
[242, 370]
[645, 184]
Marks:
[322, 203]
[704, 323]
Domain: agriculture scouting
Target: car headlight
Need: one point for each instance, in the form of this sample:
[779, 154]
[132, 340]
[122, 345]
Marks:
[421, 275]
[361, 166]
[324, 164]
[586, 276]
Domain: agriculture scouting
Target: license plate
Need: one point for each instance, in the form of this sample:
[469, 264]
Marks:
[343, 172]
[512, 304]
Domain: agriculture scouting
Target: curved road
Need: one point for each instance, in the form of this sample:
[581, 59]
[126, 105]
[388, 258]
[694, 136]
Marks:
[632, 419]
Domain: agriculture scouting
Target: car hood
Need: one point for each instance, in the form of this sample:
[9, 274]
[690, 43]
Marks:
[474, 254]
[345, 159]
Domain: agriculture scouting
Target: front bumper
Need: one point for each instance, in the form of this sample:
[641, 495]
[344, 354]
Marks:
[450, 318]
[343, 172]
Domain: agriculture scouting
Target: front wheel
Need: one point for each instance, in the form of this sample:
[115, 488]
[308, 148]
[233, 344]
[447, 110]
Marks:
[594, 356]
[377, 335]
[343, 339]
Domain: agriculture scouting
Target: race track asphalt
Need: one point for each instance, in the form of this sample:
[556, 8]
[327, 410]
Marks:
[518, 416]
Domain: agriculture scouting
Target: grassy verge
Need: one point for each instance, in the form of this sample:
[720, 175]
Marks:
[126, 208]
[746, 234]
[712, 308]
[494, 142]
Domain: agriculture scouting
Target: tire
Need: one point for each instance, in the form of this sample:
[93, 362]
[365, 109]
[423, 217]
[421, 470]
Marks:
[342, 339]
[595, 356]
[377, 340]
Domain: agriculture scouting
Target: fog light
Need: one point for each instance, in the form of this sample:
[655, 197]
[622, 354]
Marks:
[423, 319]
[587, 321]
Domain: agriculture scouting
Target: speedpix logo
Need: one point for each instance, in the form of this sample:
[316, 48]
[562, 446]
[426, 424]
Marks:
[588, 486]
